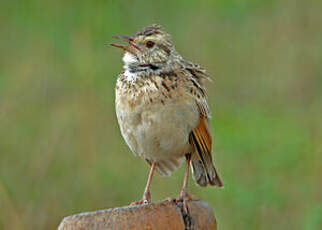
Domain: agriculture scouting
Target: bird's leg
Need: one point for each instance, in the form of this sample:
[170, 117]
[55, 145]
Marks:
[183, 193]
[146, 198]
[146, 195]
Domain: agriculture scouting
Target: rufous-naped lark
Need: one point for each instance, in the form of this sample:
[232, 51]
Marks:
[162, 109]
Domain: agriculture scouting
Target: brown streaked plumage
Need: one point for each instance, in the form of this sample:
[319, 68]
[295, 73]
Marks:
[162, 109]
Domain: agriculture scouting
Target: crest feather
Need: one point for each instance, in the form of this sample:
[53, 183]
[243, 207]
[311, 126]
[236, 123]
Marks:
[149, 30]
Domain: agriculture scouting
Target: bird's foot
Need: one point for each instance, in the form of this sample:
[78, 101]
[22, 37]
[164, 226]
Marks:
[180, 198]
[145, 199]
[183, 197]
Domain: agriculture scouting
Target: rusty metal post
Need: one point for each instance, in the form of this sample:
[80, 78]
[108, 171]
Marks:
[156, 216]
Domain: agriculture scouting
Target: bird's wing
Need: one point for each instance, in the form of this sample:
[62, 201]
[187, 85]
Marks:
[196, 71]
[200, 136]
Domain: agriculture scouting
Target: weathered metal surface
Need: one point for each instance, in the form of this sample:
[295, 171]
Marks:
[163, 215]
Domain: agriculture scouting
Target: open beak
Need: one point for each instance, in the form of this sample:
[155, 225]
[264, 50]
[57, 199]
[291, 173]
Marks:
[131, 47]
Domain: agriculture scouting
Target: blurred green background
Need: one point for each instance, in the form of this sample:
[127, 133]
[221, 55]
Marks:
[61, 151]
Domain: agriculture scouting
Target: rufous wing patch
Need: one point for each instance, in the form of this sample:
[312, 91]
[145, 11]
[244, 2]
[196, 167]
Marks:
[201, 138]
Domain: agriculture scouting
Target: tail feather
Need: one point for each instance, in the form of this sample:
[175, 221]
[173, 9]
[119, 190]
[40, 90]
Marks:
[213, 176]
[204, 176]
[198, 172]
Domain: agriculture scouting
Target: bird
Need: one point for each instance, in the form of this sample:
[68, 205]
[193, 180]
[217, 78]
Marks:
[162, 110]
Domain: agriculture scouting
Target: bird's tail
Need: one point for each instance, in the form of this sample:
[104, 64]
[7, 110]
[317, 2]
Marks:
[205, 174]
[204, 171]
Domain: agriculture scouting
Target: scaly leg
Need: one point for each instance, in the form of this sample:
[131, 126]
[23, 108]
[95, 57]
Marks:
[146, 195]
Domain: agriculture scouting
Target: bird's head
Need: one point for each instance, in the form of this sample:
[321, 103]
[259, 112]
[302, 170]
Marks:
[149, 48]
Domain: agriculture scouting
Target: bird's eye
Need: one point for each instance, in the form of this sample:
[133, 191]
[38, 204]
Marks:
[149, 44]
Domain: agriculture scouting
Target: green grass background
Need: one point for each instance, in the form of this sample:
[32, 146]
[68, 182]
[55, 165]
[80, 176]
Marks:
[61, 151]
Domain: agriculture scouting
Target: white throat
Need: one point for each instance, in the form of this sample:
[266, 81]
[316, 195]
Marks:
[134, 70]
[129, 59]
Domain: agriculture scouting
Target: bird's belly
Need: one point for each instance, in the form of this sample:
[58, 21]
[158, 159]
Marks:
[158, 131]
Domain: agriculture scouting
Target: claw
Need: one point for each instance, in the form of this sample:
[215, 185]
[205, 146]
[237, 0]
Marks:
[184, 197]
[143, 201]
